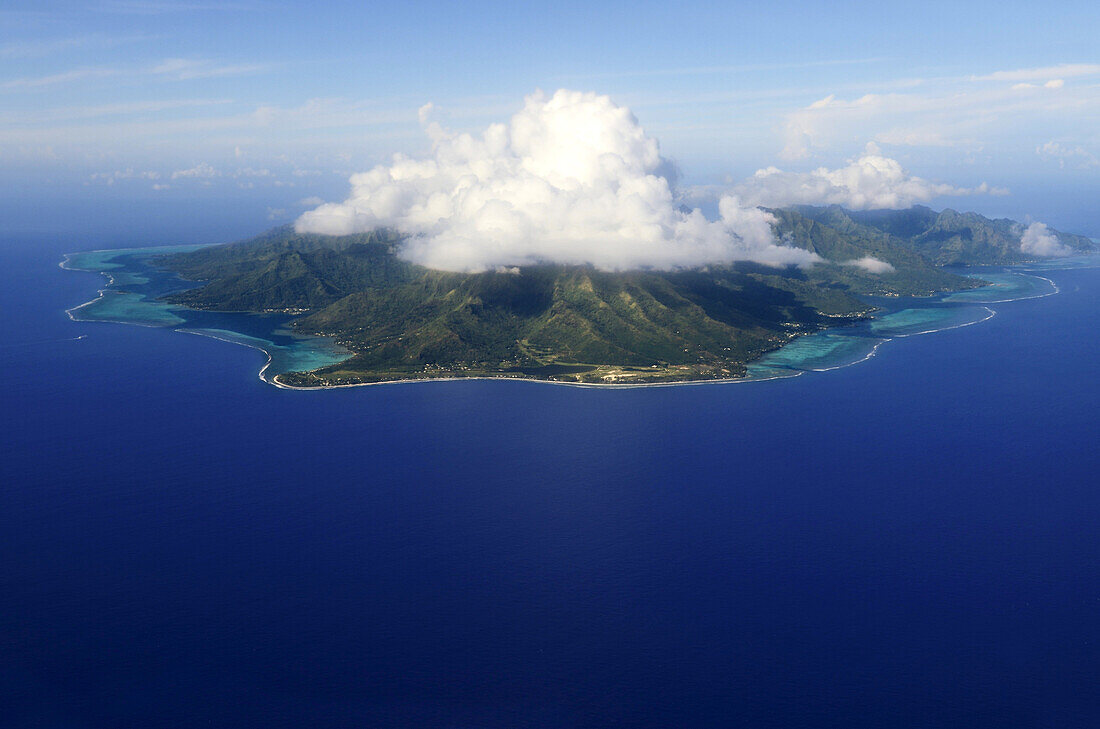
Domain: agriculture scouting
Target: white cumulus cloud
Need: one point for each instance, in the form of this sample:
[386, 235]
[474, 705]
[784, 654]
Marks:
[572, 178]
[872, 181]
[1039, 241]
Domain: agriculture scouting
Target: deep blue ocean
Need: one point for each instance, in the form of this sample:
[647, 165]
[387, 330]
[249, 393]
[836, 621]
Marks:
[913, 541]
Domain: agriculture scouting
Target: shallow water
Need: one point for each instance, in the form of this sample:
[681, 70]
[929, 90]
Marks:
[821, 351]
[1006, 286]
[928, 319]
[133, 296]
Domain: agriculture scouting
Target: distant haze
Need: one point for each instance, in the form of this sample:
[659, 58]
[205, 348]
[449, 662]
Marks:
[176, 120]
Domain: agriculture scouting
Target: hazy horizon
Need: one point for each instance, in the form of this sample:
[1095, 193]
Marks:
[182, 121]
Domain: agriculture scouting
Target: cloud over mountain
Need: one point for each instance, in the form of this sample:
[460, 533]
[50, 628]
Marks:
[870, 264]
[1039, 241]
[572, 178]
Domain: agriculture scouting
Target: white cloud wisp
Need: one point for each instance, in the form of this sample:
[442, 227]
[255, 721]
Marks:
[976, 114]
[870, 264]
[572, 178]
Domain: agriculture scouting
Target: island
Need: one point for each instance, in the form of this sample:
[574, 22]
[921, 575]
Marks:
[401, 321]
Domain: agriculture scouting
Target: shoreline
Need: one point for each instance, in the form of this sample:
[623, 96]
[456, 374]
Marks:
[592, 385]
[621, 385]
[793, 372]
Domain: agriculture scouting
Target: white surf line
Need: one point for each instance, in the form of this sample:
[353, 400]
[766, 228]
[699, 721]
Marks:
[68, 256]
[263, 370]
[78, 307]
[991, 313]
[1054, 287]
[209, 335]
[869, 355]
[884, 340]
[874, 350]
[71, 314]
[100, 295]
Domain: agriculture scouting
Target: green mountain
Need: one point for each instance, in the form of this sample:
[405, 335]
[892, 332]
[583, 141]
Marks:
[833, 235]
[550, 321]
[944, 238]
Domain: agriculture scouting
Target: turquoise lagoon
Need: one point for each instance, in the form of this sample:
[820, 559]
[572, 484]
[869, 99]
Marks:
[834, 348]
[135, 288]
[901, 317]
[1006, 286]
[133, 295]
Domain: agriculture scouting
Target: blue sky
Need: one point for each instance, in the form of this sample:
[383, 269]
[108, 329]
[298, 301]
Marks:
[251, 110]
